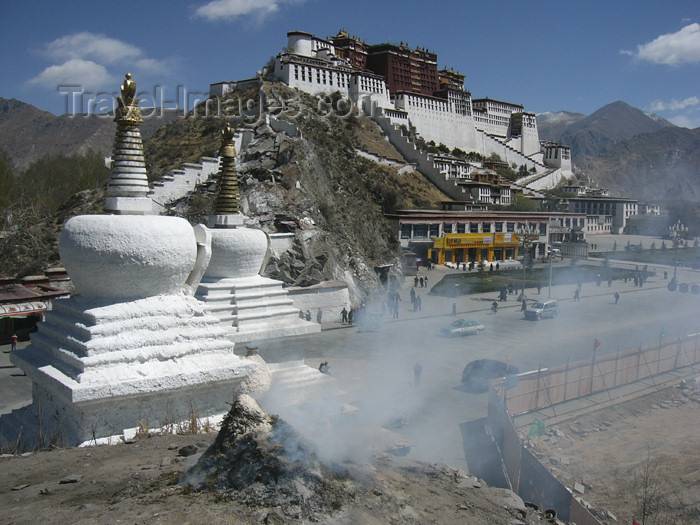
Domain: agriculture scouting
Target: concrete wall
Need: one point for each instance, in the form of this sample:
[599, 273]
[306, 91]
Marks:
[331, 298]
[281, 242]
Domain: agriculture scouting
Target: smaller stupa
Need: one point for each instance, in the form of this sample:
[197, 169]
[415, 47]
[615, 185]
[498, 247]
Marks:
[248, 305]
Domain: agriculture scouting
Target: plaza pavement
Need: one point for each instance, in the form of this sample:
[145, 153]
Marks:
[15, 387]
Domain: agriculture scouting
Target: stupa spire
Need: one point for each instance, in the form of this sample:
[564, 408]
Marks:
[227, 207]
[127, 189]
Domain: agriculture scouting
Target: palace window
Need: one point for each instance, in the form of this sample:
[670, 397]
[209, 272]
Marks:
[486, 227]
[473, 227]
[499, 227]
[543, 228]
[510, 227]
[434, 230]
[447, 228]
[461, 227]
[420, 231]
[405, 231]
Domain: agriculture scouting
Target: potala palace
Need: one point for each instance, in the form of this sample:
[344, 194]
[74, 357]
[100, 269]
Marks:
[405, 93]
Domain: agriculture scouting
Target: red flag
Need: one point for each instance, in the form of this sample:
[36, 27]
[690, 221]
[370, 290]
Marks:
[596, 344]
[635, 522]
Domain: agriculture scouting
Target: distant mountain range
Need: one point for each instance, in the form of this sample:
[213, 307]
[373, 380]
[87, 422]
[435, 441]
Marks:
[618, 147]
[28, 133]
[594, 135]
[630, 152]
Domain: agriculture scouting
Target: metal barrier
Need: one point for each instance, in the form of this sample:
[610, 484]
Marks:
[526, 476]
[547, 387]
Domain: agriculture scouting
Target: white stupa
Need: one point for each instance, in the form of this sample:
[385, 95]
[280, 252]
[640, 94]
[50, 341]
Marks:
[248, 305]
[133, 348]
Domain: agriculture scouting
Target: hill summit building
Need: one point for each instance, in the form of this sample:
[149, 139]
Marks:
[403, 90]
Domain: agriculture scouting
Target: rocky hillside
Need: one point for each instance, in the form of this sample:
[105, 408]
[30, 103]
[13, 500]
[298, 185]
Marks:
[313, 183]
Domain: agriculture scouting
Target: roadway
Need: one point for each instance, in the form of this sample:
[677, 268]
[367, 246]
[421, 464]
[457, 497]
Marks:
[374, 370]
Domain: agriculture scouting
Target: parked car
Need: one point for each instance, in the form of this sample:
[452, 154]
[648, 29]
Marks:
[542, 309]
[477, 374]
[462, 327]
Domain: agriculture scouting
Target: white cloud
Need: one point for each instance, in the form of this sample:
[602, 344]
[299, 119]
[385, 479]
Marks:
[686, 121]
[673, 48]
[89, 45]
[673, 104]
[94, 61]
[232, 9]
[76, 71]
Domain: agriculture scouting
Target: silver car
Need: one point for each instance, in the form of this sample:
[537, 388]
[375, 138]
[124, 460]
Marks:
[542, 309]
[462, 327]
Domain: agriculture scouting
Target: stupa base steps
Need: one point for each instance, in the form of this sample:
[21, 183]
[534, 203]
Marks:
[51, 420]
[294, 383]
[254, 308]
[98, 369]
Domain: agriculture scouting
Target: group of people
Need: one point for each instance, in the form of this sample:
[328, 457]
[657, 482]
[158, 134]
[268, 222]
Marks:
[509, 290]
[307, 315]
[415, 301]
[347, 316]
[422, 281]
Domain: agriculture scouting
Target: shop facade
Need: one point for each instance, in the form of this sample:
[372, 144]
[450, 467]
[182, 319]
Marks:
[475, 247]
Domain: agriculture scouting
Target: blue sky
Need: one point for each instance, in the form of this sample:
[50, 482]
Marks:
[546, 55]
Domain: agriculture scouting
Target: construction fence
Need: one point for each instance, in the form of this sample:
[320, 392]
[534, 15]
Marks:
[547, 387]
[529, 478]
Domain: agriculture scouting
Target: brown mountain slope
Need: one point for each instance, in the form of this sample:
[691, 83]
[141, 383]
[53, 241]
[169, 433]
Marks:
[664, 165]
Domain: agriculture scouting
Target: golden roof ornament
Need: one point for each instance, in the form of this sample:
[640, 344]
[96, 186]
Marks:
[228, 199]
[128, 109]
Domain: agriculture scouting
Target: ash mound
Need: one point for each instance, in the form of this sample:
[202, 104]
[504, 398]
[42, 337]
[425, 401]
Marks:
[260, 460]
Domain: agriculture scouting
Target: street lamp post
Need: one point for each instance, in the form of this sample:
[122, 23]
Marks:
[525, 243]
[549, 289]
[677, 233]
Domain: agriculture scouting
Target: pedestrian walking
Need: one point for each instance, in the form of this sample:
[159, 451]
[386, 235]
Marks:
[617, 297]
[319, 315]
[13, 339]
[421, 281]
[524, 306]
[351, 316]
[418, 303]
[577, 295]
[426, 281]
[308, 315]
[454, 309]
[415, 281]
[344, 315]
[539, 288]
[417, 371]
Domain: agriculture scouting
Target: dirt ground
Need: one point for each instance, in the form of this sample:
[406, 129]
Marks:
[137, 483]
[606, 453]
[602, 454]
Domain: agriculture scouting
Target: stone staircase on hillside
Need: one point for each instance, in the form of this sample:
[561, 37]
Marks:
[180, 182]
[424, 161]
[510, 149]
[546, 180]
